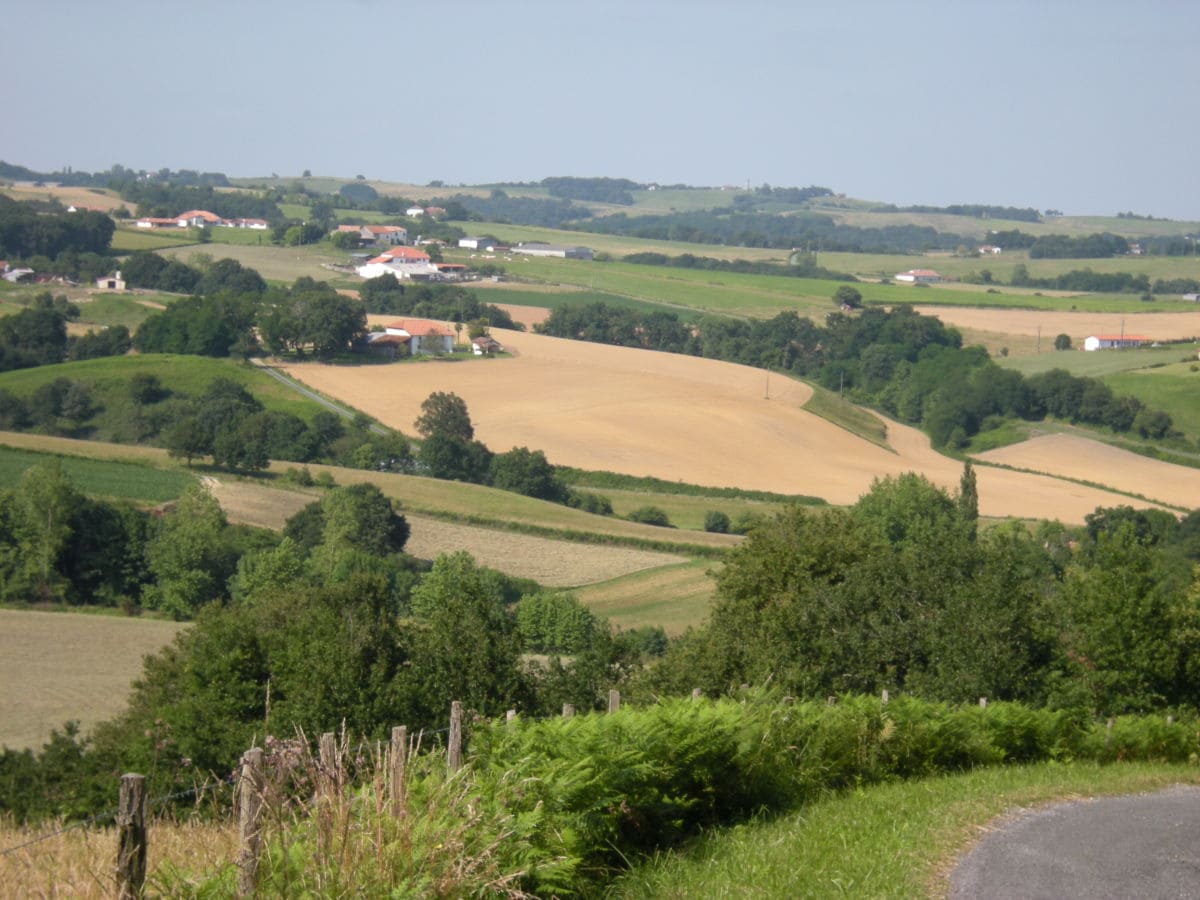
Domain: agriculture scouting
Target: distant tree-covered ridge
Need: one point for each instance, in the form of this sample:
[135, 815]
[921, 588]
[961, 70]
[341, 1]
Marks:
[25, 233]
[598, 190]
[802, 265]
[974, 210]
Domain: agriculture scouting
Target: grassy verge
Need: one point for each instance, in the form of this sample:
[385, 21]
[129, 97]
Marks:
[132, 240]
[1097, 364]
[896, 840]
[99, 477]
[597, 480]
[1174, 389]
[844, 414]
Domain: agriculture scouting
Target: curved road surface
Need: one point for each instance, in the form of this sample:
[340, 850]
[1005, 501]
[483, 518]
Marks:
[1145, 846]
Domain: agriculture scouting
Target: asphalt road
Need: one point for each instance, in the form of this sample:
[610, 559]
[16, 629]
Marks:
[1139, 847]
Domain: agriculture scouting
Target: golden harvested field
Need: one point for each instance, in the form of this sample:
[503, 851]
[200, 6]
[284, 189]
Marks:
[1156, 326]
[1080, 457]
[68, 196]
[526, 315]
[549, 562]
[675, 417]
[55, 667]
[250, 503]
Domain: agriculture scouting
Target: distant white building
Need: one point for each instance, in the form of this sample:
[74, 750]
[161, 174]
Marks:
[477, 243]
[919, 276]
[423, 336]
[1113, 341]
[538, 248]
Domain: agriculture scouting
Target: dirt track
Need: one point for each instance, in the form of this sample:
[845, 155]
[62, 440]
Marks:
[675, 417]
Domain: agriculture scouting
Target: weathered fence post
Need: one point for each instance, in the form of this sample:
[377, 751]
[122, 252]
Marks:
[831, 700]
[568, 710]
[614, 701]
[697, 693]
[884, 696]
[331, 764]
[510, 715]
[454, 744]
[131, 837]
[397, 759]
[983, 702]
[250, 799]
[1170, 721]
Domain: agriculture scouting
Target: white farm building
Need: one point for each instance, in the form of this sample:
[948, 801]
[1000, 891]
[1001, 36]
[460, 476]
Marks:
[1113, 341]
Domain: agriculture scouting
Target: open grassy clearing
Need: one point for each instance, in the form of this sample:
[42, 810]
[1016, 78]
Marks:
[683, 510]
[99, 477]
[130, 310]
[1175, 389]
[766, 295]
[278, 264]
[893, 840]
[57, 666]
[678, 418]
[675, 598]
[133, 239]
[1074, 456]
[844, 414]
[109, 378]
[1095, 364]
[550, 297]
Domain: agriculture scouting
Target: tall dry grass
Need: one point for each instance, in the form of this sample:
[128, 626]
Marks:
[82, 862]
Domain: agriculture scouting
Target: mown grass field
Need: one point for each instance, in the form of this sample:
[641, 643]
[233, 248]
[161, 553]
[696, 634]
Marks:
[107, 310]
[764, 296]
[99, 477]
[278, 264]
[1096, 364]
[109, 378]
[675, 598]
[57, 666]
[1175, 389]
[131, 239]
[894, 840]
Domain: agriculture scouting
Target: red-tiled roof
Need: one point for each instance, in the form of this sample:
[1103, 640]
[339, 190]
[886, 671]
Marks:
[199, 214]
[407, 253]
[419, 328]
[384, 229]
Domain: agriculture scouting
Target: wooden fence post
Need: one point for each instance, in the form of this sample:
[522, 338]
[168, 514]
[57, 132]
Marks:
[983, 702]
[250, 799]
[614, 701]
[510, 715]
[697, 693]
[397, 759]
[568, 710]
[884, 697]
[331, 764]
[131, 837]
[454, 744]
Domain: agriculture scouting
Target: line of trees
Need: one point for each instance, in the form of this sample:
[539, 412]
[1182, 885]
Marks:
[26, 233]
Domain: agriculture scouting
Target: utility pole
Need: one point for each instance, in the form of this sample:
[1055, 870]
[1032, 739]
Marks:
[1039, 339]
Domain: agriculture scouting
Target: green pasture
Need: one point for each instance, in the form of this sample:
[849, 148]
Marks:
[663, 200]
[131, 240]
[844, 414]
[685, 511]
[119, 309]
[237, 236]
[764, 296]
[278, 264]
[1175, 389]
[109, 379]
[100, 477]
[616, 244]
[674, 598]
[896, 840]
[552, 299]
[1095, 364]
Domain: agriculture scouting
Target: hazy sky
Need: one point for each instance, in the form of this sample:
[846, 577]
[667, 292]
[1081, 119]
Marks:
[1088, 107]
